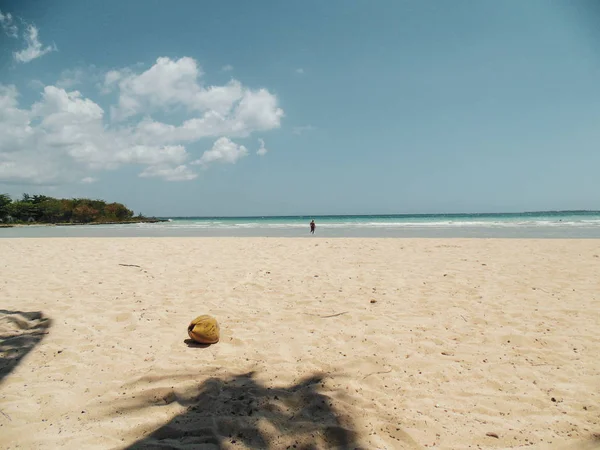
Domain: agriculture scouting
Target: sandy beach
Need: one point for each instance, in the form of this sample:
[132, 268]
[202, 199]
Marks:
[325, 343]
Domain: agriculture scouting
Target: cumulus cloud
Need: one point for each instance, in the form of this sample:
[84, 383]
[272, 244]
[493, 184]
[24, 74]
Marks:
[179, 173]
[8, 25]
[171, 84]
[111, 77]
[227, 68]
[67, 139]
[70, 78]
[34, 48]
[64, 135]
[153, 156]
[223, 150]
[262, 151]
[257, 111]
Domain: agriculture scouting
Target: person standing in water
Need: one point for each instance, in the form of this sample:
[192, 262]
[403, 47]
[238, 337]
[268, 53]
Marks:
[312, 227]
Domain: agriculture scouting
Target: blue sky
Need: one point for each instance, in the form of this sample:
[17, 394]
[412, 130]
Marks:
[362, 107]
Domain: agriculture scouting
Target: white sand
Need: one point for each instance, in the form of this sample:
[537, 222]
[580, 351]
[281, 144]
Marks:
[465, 338]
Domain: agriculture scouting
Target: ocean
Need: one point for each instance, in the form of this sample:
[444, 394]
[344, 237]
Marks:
[549, 224]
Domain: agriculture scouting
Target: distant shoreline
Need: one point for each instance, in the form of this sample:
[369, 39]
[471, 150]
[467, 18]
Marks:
[405, 215]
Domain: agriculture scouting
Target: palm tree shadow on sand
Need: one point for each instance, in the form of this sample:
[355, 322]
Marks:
[239, 411]
[20, 332]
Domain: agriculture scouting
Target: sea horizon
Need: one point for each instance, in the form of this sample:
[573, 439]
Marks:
[271, 216]
[566, 224]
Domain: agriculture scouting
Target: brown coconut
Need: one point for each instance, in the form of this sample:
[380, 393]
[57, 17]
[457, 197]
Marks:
[204, 330]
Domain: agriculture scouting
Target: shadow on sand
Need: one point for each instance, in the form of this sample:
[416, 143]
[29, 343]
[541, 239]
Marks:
[20, 332]
[240, 411]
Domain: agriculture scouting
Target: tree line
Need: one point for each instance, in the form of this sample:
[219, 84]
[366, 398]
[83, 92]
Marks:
[44, 209]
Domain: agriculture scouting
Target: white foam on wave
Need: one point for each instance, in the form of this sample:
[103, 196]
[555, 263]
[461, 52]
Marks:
[441, 224]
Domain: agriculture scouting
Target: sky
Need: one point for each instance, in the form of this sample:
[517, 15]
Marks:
[237, 108]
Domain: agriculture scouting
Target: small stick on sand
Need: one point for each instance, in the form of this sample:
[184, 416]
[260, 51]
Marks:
[540, 289]
[325, 317]
[5, 415]
[377, 373]
[129, 265]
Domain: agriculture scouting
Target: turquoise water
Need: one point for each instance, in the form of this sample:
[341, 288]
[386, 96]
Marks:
[534, 219]
[553, 224]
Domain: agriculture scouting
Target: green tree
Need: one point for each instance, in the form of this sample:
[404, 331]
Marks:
[5, 202]
[84, 213]
[36, 199]
[117, 211]
[42, 208]
[67, 207]
[23, 210]
[51, 210]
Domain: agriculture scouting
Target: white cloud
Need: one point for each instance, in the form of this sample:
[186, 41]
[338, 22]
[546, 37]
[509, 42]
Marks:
[69, 139]
[179, 173]
[34, 47]
[300, 71]
[15, 130]
[88, 180]
[223, 150]
[111, 78]
[8, 25]
[64, 136]
[227, 68]
[257, 111]
[172, 84]
[167, 84]
[302, 129]
[153, 156]
[70, 78]
[262, 151]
